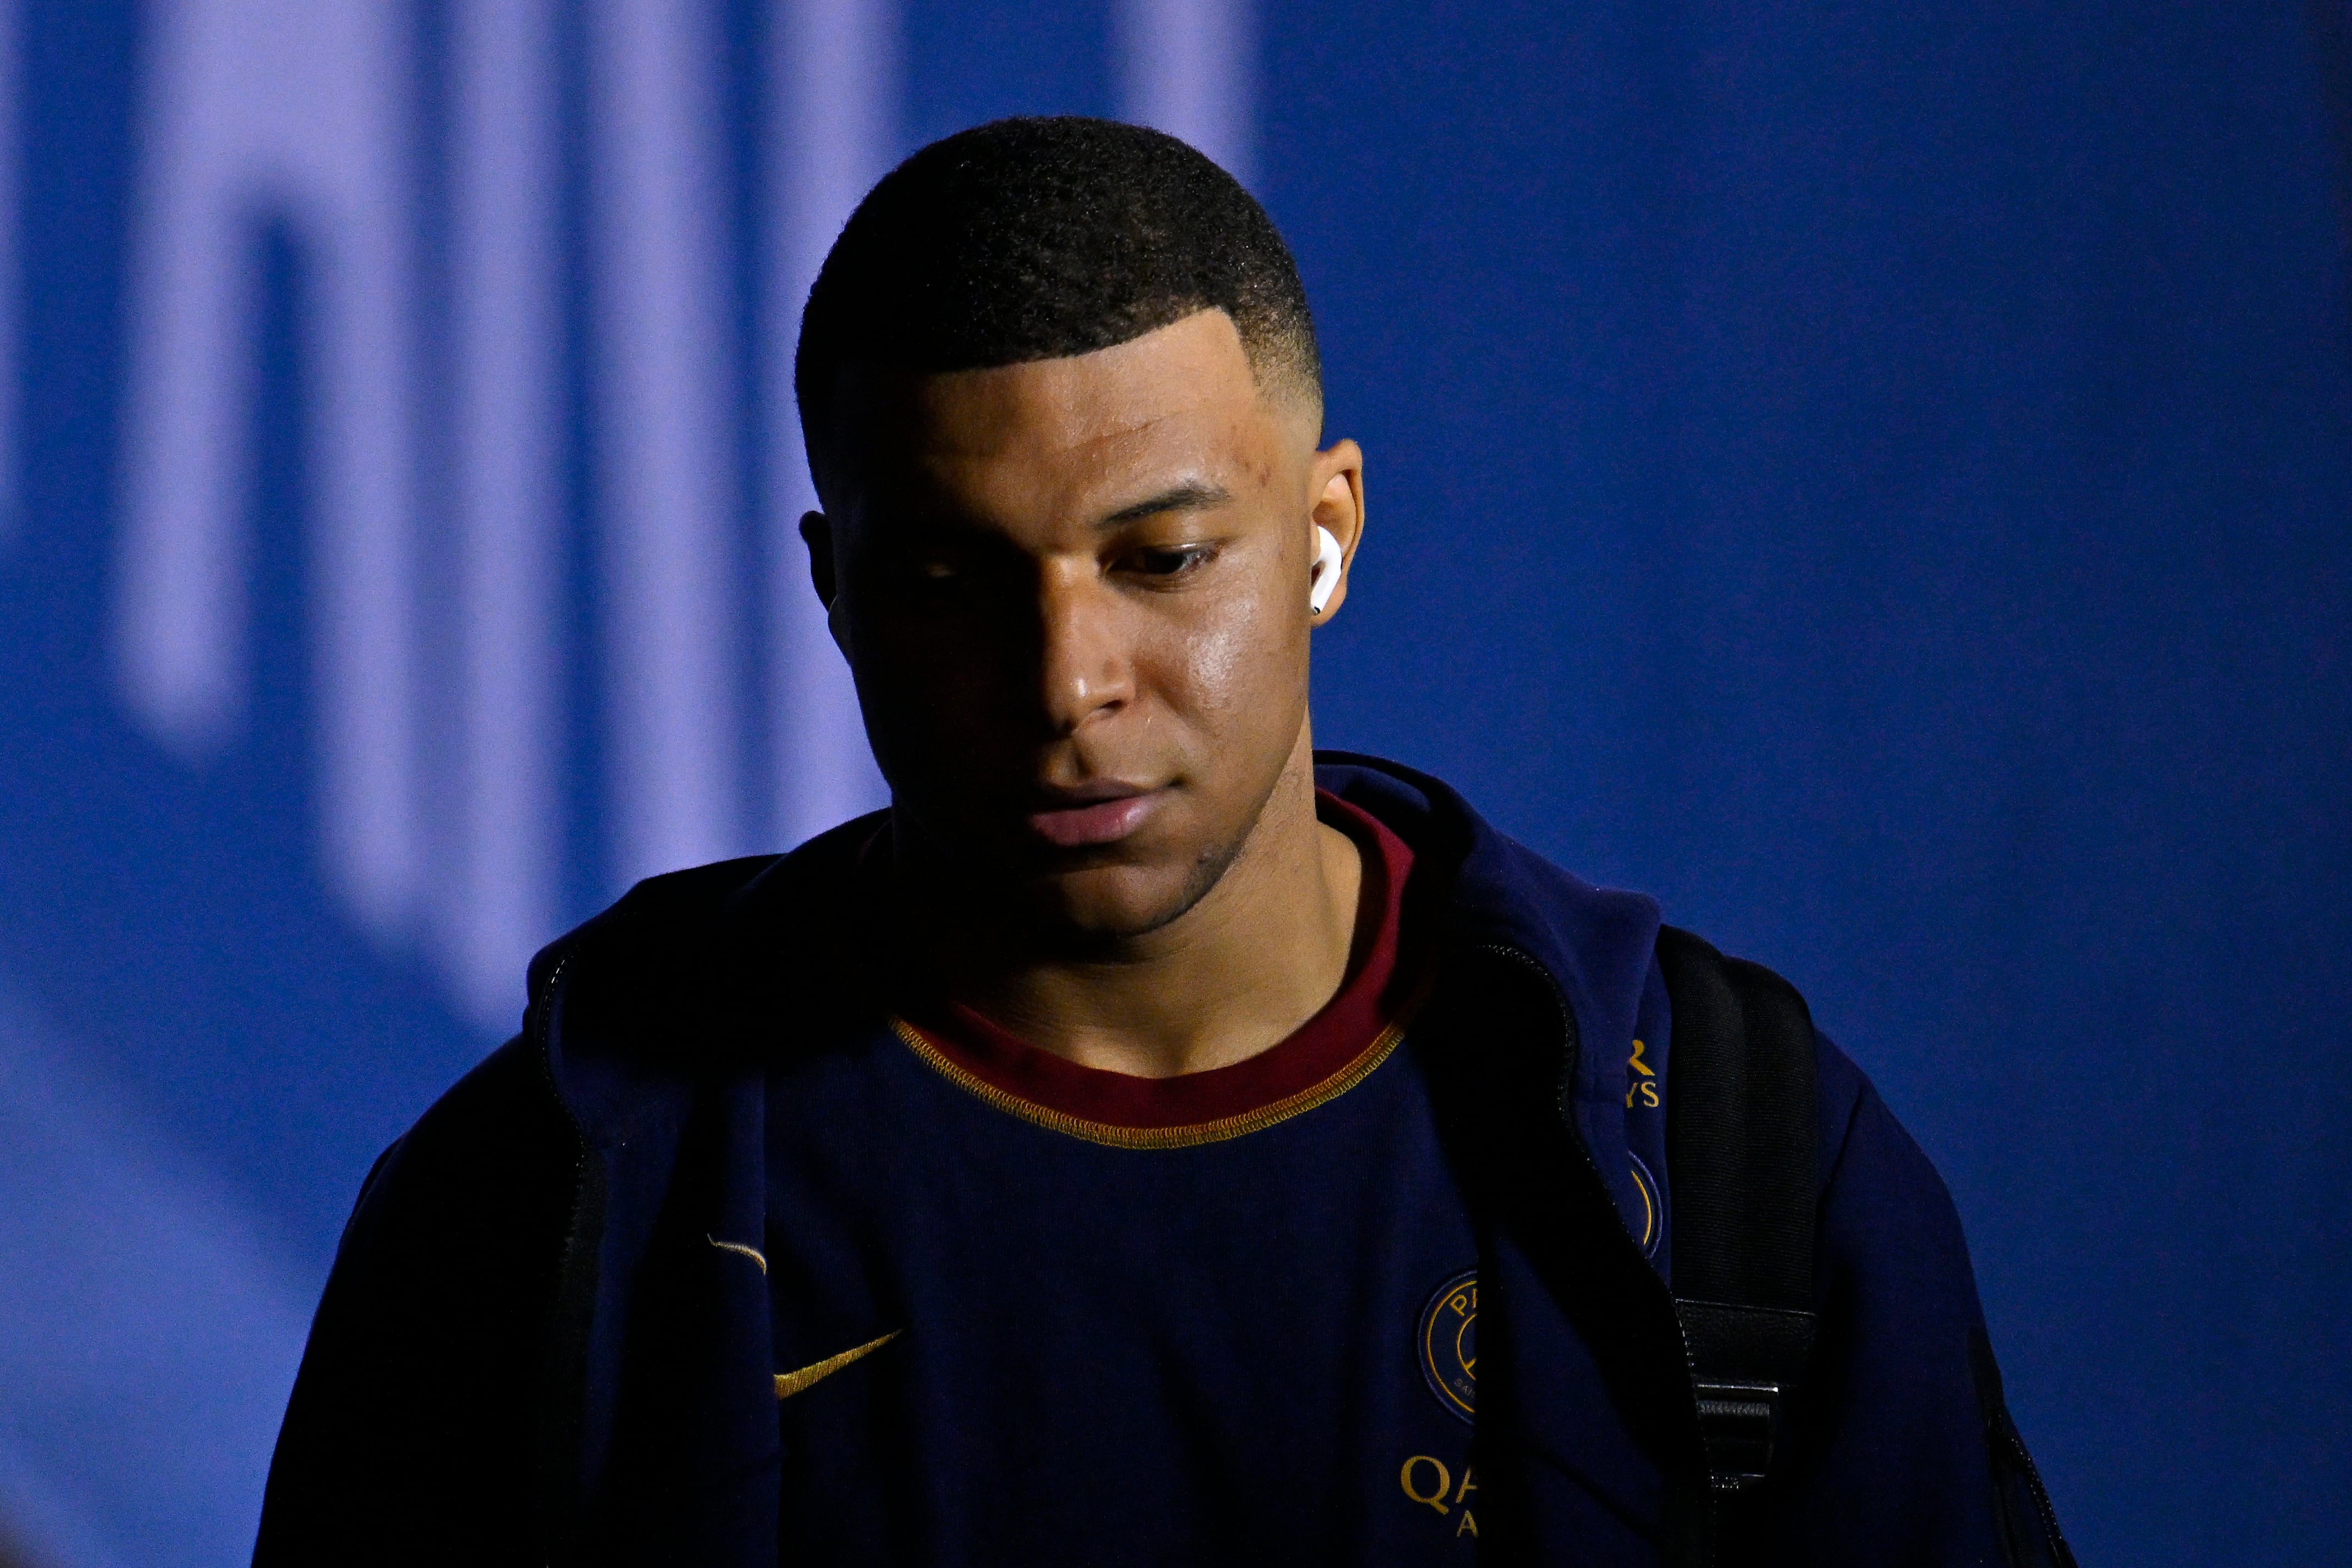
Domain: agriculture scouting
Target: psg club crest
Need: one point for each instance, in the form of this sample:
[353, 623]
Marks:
[1447, 1344]
[1653, 1212]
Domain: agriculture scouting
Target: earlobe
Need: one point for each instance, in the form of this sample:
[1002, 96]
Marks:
[816, 533]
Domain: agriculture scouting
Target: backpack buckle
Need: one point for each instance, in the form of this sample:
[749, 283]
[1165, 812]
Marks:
[1745, 1361]
[1738, 1422]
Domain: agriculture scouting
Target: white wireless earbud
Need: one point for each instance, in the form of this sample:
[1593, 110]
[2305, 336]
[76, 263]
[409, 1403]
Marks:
[1324, 578]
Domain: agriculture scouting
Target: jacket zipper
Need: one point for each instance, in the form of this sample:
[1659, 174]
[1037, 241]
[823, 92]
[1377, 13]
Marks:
[549, 1533]
[1564, 1093]
[1698, 1511]
[2023, 1458]
[546, 1032]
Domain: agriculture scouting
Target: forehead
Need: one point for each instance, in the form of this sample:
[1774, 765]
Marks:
[1062, 438]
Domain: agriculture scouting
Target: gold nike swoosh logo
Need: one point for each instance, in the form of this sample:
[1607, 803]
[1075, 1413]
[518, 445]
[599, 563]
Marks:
[741, 1250]
[791, 1383]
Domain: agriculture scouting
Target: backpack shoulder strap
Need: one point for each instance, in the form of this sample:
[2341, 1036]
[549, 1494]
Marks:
[1740, 1139]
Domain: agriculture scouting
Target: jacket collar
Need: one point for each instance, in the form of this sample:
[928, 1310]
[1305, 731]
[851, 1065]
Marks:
[1595, 945]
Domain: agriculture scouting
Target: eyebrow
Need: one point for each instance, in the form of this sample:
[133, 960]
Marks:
[1193, 495]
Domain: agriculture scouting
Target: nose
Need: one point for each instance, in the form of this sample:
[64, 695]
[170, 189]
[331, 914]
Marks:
[1086, 672]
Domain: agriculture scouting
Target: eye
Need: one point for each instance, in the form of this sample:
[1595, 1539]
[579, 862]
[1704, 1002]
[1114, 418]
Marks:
[1169, 560]
[938, 576]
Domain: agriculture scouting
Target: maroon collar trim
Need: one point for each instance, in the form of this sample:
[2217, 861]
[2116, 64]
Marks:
[1329, 1054]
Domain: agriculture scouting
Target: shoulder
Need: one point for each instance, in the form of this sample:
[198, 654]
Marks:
[679, 917]
[1880, 1192]
[684, 949]
[655, 925]
[1869, 1176]
[494, 1155]
[1885, 1226]
[420, 1377]
[1899, 1456]
[496, 1132]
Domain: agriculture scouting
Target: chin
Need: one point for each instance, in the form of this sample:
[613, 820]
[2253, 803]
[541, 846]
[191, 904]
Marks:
[1111, 903]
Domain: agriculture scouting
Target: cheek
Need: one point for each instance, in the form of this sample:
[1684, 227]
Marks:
[924, 687]
[1239, 668]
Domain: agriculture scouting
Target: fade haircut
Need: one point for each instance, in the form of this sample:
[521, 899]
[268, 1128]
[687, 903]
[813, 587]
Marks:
[1039, 238]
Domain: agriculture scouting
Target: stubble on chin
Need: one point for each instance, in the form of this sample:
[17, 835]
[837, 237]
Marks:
[1073, 923]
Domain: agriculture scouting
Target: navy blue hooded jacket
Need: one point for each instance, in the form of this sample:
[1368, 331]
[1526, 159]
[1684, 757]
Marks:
[542, 1342]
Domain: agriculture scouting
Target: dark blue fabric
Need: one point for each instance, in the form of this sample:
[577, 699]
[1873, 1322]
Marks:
[1173, 1355]
[1182, 1355]
[1147, 1355]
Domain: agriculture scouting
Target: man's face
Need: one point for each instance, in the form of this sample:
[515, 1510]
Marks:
[1074, 594]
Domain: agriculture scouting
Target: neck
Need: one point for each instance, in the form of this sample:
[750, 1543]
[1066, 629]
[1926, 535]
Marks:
[1235, 974]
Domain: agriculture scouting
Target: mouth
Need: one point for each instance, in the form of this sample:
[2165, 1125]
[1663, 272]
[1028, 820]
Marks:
[1090, 814]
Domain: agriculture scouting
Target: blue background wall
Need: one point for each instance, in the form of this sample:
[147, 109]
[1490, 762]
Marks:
[1878, 477]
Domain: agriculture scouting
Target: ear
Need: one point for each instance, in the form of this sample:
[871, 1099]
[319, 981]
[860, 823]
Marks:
[817, 532]
[1338, 505]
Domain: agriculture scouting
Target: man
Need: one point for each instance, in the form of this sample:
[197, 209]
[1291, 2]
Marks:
[1142, 1143]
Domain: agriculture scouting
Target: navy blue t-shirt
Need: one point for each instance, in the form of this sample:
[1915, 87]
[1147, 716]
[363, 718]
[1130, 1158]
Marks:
[1030, 1311]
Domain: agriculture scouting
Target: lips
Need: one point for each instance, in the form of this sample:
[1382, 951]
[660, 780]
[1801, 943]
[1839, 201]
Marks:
[1095, 814]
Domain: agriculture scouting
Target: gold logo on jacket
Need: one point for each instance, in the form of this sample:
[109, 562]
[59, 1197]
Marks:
[791, 1383]
[1447, 1344]
[1641, 1090]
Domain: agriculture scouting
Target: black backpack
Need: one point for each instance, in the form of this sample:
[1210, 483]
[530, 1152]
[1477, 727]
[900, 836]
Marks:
[1740, 1143]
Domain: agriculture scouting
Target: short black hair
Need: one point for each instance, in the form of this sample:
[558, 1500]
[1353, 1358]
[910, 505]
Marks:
[1037, 238]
